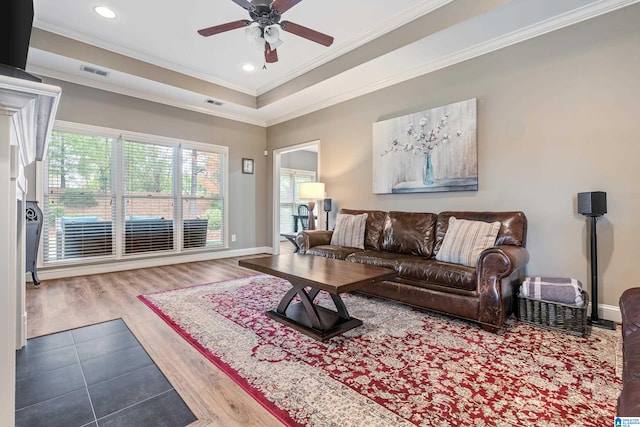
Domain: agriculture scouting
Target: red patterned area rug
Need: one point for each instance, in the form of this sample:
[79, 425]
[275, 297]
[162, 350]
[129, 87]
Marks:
[402, 367]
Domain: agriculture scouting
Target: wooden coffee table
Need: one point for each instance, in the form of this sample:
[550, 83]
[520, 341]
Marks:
[319, 274]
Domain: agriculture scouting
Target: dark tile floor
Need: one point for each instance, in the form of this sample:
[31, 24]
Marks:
[98, 375]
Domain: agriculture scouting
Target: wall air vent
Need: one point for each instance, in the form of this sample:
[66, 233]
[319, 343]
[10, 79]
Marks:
[93, 70]
[213, 102]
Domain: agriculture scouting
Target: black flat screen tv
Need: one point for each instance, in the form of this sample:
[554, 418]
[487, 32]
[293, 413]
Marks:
[16, 21]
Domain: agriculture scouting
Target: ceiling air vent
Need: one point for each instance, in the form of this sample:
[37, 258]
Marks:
[213, 102]
[95, 71]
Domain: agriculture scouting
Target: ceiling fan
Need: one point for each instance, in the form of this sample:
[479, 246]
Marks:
[267, 14]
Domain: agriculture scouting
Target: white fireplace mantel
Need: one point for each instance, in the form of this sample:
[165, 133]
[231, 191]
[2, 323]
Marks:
[27, 112]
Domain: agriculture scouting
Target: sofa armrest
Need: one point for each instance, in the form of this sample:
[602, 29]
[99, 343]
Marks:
[513, 257]
[307, 239]
[500, 269]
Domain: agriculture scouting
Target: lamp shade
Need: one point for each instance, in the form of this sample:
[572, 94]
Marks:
[253, 33]
[311, 190]
[272, 36]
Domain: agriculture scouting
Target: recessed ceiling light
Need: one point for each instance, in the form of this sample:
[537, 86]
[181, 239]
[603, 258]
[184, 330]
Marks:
[248, 67]
[105, 12]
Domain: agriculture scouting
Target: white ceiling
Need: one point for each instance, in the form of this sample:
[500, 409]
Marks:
[163, 33]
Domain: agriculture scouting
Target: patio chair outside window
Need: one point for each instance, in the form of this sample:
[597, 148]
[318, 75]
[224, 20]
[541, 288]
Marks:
[303, 216]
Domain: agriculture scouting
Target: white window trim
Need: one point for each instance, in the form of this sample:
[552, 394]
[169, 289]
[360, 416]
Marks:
[65, 126]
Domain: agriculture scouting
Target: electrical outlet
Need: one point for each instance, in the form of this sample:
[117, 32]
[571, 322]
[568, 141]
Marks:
[233, 237]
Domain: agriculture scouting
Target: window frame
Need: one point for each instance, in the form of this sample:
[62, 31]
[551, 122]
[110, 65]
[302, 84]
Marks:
[119, 193]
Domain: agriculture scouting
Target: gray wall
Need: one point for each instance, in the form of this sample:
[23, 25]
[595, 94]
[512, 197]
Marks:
[557, 115]
[247, 193]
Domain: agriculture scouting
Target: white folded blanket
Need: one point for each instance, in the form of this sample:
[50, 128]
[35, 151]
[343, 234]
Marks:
[555, 289]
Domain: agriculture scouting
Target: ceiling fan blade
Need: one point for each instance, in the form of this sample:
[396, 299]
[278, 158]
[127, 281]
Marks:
[283, 5]
[216, 29]
[243, 4]
[307, 33]
[270, 56]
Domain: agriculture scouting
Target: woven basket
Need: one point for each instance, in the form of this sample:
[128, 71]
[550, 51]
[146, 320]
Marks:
[554, 315]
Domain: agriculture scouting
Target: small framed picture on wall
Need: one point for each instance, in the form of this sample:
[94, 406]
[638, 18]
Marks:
[247, 165]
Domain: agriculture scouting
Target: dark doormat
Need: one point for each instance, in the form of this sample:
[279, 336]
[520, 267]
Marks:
[98, 375]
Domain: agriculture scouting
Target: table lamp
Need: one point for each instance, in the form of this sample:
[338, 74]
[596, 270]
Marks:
[311, 191]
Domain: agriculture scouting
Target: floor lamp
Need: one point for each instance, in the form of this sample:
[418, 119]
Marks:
[311, 191]
[593, 205]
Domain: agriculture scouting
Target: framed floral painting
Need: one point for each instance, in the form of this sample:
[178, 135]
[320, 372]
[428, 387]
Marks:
[429, 151]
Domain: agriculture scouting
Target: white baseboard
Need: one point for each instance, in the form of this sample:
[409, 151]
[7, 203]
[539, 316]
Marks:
[609, 312]
[121, 265]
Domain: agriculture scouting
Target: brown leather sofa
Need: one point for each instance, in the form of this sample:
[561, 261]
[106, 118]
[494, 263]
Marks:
[629, 399]
[408, 243]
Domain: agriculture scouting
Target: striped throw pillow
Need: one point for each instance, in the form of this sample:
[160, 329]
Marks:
[464, 240]
[349, 231]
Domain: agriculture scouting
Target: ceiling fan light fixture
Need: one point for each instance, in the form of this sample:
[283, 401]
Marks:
[272, 36]
[259, 43]
[253, 33]
[271, 33]
[262, 30]
[105, 12]
[274, 45]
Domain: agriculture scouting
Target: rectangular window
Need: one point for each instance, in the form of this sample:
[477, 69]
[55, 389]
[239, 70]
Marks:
[290, 180]
[131, 195]
[78, 200]
[149, 199]
[202, 202]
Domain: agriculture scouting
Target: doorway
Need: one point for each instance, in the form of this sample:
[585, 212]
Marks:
[291, 165]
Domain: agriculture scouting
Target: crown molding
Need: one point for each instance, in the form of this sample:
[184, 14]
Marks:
[561, 21]
[584, 13]
[143, 95]
[139, 56]
[389, 25]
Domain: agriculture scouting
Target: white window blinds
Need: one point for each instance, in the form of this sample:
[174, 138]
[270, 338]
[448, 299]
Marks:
[128, 196]
[203, 198]
[78, 197]
[149, 197]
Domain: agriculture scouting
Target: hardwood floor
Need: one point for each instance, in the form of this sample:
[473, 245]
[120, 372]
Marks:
[214, 398]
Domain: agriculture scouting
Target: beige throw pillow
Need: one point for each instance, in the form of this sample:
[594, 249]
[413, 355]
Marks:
[349, 231]
[465, 239]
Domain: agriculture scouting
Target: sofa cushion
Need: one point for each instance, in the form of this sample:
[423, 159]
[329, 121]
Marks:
[349, 230]
[513, 230]
[441, 273]
[331, 251]
[374, 227]
[409, 233]
[379, 258]
[466, 239]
